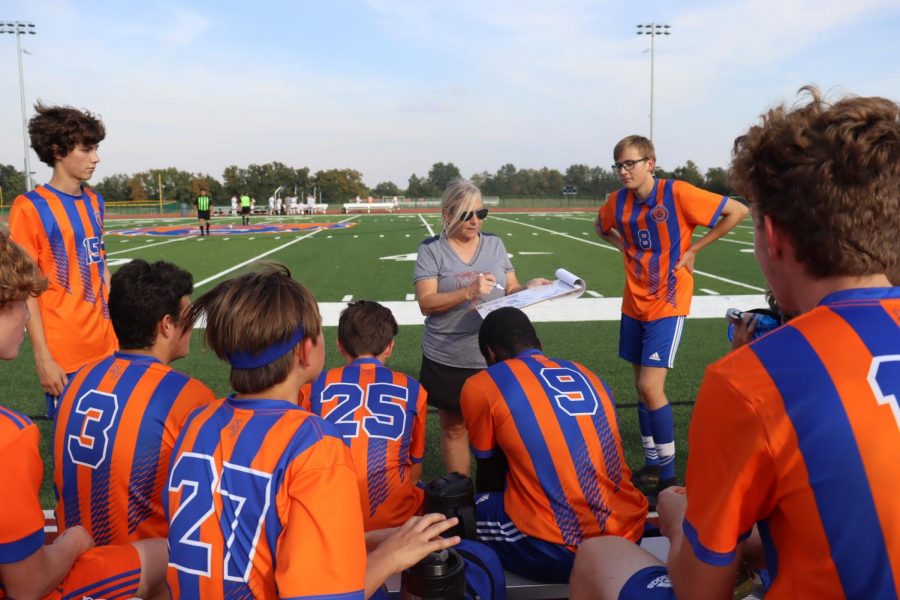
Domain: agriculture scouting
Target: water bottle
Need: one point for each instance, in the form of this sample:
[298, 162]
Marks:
[439, 576]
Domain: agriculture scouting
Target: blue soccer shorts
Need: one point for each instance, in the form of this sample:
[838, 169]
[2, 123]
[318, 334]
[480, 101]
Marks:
[519, 553]
[650, 343]
[650, 583]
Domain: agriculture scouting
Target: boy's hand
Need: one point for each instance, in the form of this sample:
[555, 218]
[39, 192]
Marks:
[416, 539]
[671, 506]
[52, 377]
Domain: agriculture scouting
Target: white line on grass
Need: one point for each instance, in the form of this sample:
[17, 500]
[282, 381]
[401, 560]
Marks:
[609, 247]
[427, 226]
[410, 297]
[697, 235]
[710, 292]
[347, 298]
[263, 255]
[136, 248]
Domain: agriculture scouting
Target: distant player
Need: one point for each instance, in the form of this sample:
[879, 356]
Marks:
[380, 413]
[60, 224]
[545, 435]
[262, 497]
[796, 435]
[119, 417]
[651, 222]
[234, 206]
[203, 209]
[70, 567]
[245, 209]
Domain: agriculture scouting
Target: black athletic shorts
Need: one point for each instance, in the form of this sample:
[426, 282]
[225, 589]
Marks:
[245, 210]
[443, 383]
[203, 215]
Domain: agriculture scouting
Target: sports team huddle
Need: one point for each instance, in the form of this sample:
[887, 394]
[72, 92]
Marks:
[306, 482]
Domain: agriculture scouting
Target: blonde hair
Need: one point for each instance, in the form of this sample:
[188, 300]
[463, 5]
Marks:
[639, 143]
[460, 197]
[19, 277]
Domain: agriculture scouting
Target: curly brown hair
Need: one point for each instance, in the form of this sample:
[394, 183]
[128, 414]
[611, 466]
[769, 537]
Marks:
[19, 277]
[829, 176]
[56, 130]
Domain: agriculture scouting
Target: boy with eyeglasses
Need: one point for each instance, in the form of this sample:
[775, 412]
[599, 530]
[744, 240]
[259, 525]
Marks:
[651, 222]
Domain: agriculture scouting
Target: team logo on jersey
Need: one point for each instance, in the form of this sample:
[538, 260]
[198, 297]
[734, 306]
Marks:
[230, 230]
[659, 213]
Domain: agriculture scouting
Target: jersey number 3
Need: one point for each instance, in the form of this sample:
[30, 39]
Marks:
[94, 415]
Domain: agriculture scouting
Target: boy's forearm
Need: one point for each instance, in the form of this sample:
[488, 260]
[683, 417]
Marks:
[35, 328]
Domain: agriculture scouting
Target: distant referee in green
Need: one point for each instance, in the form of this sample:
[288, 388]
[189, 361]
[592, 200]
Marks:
[203, 210]
[245, 209]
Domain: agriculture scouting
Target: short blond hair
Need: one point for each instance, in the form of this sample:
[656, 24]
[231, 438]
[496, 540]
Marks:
[639, 143]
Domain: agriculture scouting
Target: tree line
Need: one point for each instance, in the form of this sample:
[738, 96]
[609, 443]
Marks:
[337, 185]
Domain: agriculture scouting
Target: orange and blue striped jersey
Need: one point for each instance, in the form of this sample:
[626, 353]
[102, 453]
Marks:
[64, 236]
[656, 234]
[21, 471]
[381, 416]
[117, 422]
[262, 502]
[799, 433]
[556, 423]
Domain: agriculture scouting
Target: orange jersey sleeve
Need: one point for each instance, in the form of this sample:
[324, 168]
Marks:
[21, 470]
[64, 236]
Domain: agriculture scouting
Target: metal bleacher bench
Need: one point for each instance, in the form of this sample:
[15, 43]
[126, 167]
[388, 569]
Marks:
[517, 588]
[369, 206]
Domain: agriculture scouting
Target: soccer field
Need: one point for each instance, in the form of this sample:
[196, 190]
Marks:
[344, 257]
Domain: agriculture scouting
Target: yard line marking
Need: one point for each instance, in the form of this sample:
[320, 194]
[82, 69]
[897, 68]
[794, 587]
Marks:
[593, 293]
[427, 226]
[410, 297]
[744, 226]
[609, 247]
[347, 298]
[136, 248]
[696, 235]
[710, 292]
[748, 250]
[263, 255]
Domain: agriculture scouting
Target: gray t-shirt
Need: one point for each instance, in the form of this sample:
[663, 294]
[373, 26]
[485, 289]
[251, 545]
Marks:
[451, 338]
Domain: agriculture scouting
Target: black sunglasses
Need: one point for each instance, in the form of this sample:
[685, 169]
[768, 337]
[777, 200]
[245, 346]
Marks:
[481, 213]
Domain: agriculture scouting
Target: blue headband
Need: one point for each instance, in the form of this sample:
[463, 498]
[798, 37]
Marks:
[250, 360]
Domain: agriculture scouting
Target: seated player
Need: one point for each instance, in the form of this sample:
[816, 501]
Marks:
[119, 417]
[796, 434]
[70, 566]
[380, 414]
[262, 497]
[551, 424]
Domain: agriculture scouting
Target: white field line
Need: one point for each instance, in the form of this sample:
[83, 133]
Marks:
[710, 292]
[427, 226]
[609, 247]
[136, 248]
[724, 239]
[263, 255]
[559, 311]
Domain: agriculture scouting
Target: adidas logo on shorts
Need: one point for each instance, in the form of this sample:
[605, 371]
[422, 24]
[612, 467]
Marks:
[660, 582]
[654, 356]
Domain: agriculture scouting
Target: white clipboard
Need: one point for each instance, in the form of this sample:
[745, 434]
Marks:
[567, 285]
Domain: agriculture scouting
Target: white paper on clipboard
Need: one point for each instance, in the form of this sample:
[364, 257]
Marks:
[567, 285]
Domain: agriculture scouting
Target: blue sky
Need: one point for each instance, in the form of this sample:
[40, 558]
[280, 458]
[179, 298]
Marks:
[390, 87]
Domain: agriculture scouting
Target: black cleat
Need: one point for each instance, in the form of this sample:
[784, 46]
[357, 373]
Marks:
[646, 479]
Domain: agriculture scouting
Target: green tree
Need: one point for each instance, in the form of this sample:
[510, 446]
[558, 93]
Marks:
[717, 181]
[114, 188]
[339, 185]
[420, 187]
[442, 174]
[690, 172]
[136, 188]
[12, 182]
[386, 188]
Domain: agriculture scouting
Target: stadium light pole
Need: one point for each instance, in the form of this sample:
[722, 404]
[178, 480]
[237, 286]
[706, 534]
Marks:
[19, 29]
[653, 30]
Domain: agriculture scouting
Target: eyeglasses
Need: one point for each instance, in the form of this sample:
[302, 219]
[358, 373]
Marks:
[628, 164]
[481, 213]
